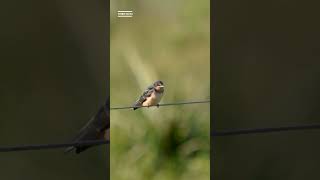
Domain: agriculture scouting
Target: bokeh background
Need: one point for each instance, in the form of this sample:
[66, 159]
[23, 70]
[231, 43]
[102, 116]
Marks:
[53, 74]
[166, 40]
[266, 73]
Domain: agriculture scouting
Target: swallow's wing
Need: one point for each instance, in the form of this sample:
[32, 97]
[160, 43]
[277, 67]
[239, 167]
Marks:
[143, 97]
[95, 129]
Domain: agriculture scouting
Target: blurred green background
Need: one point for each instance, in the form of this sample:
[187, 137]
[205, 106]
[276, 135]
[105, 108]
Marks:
[53, 74]
[166, 40]
[266, 74]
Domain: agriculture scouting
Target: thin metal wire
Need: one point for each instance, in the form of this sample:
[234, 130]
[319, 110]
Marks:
[214, 133]
[165, 104]
[233, 132]
[266, 130]
[82, 143]
[51, 146]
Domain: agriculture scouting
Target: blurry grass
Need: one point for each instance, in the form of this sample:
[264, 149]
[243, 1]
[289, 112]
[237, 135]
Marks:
[168, 41]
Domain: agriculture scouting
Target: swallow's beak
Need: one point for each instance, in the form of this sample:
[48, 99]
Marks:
[161, 86]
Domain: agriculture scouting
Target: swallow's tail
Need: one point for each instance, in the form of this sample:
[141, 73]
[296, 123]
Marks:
[136, 105]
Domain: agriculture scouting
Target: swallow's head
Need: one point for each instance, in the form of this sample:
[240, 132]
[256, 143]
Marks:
[158, 86]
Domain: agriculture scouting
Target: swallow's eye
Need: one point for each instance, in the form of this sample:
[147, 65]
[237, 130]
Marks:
[158, 83]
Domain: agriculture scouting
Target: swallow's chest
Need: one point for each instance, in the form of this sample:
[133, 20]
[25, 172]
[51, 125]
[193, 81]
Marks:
[154, 99]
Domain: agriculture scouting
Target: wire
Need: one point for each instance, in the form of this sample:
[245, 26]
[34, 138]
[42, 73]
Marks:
[266, 130]
[51, 146]
[214, 133]
[82, 143]
[166, 104]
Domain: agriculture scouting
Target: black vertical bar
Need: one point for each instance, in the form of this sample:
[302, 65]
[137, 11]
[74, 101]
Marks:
[107, 41]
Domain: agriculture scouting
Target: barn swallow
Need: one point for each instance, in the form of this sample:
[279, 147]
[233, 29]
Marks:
[97, 128]
[151, 96]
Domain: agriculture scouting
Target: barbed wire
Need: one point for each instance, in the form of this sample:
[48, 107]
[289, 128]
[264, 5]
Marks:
[165, 104]
[51, 146]
[312, 126]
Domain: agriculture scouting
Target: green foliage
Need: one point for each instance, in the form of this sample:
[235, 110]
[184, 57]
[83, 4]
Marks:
[169, 41]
